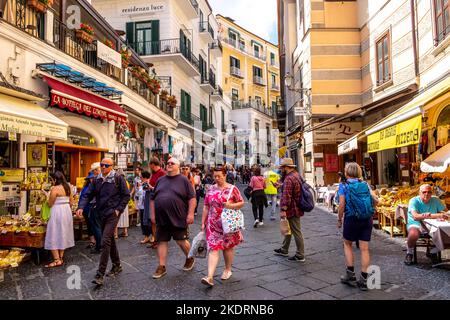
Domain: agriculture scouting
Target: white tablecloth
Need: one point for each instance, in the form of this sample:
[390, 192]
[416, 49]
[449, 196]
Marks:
[439, 232]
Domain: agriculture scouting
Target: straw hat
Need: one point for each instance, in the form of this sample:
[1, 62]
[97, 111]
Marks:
[287, 162]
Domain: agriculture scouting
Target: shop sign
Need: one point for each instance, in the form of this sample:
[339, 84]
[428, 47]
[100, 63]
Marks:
[318, 155]
[12, 136]
[81, 107]
[12, 175]
[109, 55]
[31, 127]
[348, 146]
[331, 163]
[143, 9]
[336, 132]
[318, 164]
[399, 135]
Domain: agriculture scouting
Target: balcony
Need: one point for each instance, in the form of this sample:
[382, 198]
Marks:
[206, 32]
[168, 50]
[259, 55]
[274, 64]
[164, 107]
[189, 7]
[217, 93]
[275, 87]
[208, 126]
[253, 104]
[186, 117]
[231, 42]
[258, 80]
[205, 83]
[216, 48]
[236, 72]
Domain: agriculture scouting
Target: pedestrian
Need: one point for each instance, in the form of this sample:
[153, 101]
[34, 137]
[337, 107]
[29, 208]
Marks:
[124, 221]
[354, 228]
[144, 206]
[271, 191]
[157, 172]
[59, 235]
[197, 186]
[290, 209]
[172, 209]
[215, 202]
[136, 182]
[259, 200]
[186, 171]
[86, 212]
[111, 197]
[94, 216]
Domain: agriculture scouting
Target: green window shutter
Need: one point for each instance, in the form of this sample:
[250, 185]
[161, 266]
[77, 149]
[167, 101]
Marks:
[130, 29]
[183, 102]
[156, 48]
[188, 104]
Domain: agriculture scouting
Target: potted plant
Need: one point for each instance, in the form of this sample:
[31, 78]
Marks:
[154, 85]
[163, 95]
[108, 43]
[85, 33]
[172, 101]
[126, 56]
[38, 5]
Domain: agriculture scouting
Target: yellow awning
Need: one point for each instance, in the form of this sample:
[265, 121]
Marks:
[20, 116]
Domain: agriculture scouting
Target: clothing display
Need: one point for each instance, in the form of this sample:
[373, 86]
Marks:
[431, 141]
[442, 136]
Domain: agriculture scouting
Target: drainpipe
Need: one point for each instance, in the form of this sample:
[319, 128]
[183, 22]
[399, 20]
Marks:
[414, 41]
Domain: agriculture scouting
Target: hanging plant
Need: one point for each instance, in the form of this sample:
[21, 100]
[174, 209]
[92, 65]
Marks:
[126, 56]
[85, 33]
[163, 95]
[108, 43]
[38, 5]
[172, 101]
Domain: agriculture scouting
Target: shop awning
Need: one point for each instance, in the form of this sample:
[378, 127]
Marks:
[20, 116]
[177, 135]
[349, 145]
[74, 99]
[438, 161]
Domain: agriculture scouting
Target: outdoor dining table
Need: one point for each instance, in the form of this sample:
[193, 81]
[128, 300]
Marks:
[440, 234]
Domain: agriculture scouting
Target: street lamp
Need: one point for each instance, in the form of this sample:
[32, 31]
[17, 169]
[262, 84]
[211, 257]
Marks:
[289, 82]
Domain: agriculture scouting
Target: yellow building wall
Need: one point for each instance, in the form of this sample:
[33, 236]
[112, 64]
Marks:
[336, 86]
[337, 62]
[341, 14]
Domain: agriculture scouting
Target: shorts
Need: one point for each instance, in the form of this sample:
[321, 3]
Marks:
[355, 229]
[165, 233]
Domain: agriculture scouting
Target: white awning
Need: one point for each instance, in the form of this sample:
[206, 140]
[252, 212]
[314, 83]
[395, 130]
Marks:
[178, 135]
[438, 161]
[21, 116]
[349, 145]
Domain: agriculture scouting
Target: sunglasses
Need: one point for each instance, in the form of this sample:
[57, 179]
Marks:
[170, 163]
[105, 165]
[425, 192]
[185, 169]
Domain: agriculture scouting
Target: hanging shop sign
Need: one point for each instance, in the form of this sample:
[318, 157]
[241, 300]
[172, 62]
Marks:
[109, 55]
[399, 135]
[336, 132]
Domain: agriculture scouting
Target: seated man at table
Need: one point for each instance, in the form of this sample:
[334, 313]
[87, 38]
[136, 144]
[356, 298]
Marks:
[420, 208]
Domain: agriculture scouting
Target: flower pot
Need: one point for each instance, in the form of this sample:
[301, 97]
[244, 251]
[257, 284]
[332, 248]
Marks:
[84, 36]
[37, 6]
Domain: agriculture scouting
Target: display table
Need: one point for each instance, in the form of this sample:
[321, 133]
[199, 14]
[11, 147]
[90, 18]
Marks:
[390, 222]
[440, 234]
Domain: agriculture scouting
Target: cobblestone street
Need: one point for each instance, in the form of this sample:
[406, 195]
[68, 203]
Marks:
[258, 274]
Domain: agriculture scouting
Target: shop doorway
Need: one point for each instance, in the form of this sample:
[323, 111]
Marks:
[388, 167]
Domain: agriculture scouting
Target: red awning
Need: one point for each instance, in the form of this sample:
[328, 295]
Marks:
[77, 100]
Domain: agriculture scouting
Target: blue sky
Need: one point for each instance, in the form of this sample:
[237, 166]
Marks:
[257, 16]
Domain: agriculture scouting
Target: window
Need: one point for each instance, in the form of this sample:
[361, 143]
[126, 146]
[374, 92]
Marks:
[203, 116]
[242, 44]
[233, 38]
[235, 63]
[383, 59]
[144, 36]
[258, 101]
[210, 115]
[185, 112]
[222, 119]
[203, 68]
[274, 80]
[257, 72]
[272, 58]
[234, 94]
[256, 49]
[441, 20]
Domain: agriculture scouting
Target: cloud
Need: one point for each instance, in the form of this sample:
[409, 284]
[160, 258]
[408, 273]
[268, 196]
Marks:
[257, 16]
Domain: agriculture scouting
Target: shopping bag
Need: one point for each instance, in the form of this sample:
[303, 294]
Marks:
[284, 227]
[232, 220]
[199, 246]
[45, 212]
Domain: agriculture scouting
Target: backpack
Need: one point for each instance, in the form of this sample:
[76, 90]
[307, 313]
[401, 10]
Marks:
[360, 200]
[307, 196]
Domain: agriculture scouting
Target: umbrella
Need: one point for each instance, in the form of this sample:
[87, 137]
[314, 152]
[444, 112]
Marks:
[438, 161]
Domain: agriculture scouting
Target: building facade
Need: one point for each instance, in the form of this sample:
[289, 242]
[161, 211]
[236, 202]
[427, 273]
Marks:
[251, 80]
[179, 39]
[358, 62]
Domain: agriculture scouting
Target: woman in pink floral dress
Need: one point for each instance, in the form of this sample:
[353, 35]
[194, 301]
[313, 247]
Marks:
[215, 202]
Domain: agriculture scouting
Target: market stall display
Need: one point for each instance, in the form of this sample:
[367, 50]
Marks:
[11, 259]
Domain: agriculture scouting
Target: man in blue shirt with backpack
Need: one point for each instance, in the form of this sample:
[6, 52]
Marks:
[356, 206]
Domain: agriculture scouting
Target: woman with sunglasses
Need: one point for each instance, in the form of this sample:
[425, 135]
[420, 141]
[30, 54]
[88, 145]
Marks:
[186, 171]
[215, 202]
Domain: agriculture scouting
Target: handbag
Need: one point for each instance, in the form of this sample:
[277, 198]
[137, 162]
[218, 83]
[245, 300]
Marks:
[248, 192]
[232, 219]
[284, 227]
[199, 246]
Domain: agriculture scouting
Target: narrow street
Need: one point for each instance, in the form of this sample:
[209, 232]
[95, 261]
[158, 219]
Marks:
[258, 274]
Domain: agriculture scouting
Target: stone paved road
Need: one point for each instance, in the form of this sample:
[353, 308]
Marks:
[258, 274]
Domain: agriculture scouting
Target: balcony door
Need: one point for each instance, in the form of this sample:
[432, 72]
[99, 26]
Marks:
[185, 106]
[204, 116]
[185, 45]
[143, 36]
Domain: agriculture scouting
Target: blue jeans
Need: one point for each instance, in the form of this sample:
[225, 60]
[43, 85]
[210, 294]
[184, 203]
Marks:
[96, 227]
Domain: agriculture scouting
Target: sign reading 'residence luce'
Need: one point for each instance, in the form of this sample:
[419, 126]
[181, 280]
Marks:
[141, 9]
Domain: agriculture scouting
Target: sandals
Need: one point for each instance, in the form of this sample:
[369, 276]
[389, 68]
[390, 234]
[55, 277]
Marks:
[226, 275]
[145, 241]
[90, 245]
[55, 263]
[207, 281]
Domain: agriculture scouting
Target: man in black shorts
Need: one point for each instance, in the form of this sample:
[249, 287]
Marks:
[174, 202]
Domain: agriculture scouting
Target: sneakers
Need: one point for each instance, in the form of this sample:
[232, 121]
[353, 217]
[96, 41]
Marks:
[350, 279]
[297, 258]
[160, 272]
[362, 284]
[115, 270]
[255, 225]
[409, 259]
[189, 264]
[280, 252]
[260, 224]
[98, 280]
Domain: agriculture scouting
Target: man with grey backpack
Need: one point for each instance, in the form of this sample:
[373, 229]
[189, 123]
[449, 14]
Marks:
[356, 208]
